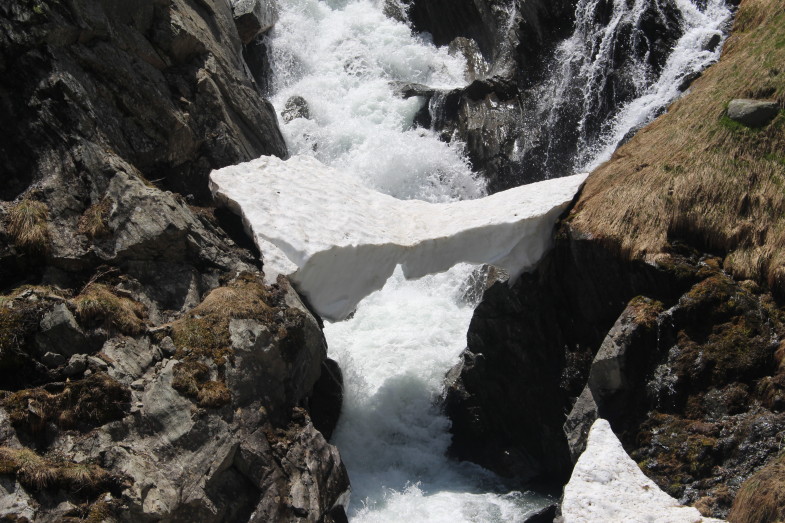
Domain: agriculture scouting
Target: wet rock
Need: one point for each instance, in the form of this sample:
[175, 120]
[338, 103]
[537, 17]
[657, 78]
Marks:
[752, 113]
[296, 107]
[254, 17]
[545, 515]
[327, 398]
[61, 334]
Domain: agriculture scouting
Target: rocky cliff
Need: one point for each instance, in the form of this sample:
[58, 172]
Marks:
[147, 371]
[659, 307]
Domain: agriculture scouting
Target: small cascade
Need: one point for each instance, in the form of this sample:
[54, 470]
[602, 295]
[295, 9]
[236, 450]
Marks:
[624, 63]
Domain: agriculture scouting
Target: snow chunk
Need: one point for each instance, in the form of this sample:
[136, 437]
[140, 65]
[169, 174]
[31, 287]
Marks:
[338, 241]
[606, 485]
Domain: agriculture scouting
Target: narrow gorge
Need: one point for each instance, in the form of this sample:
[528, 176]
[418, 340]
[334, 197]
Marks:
[236, 248]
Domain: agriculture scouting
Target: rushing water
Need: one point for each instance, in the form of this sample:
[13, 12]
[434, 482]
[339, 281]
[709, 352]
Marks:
[341, 56]
[624, 63]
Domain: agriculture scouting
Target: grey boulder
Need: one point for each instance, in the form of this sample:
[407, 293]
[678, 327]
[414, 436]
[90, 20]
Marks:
[752, 113]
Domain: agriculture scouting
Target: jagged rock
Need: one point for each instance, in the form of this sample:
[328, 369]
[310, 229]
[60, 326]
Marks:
[130, 357]
[164, 85]
[296, 107]
[579, 421]
[476, 66]
[479, 20]
[254, 17]
[15, 502]
[117, 104]
[535, 342]
[60, 333]
[77, 364]
[752, 113]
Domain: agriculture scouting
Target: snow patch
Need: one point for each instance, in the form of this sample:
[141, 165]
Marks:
[607, 485]
[338, 241]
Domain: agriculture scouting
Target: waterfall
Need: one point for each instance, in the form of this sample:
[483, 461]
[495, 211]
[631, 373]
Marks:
[343, 57]
[624, 63]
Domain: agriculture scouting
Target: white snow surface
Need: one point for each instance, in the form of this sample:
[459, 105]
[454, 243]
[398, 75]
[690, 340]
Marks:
[338, 240]
[606, 485]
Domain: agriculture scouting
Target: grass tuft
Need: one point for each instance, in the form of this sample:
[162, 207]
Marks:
[27, 226]
[82, 405]
[762, 497]
[98, 304]
[94, 223]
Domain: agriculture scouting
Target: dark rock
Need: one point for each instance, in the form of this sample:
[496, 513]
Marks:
[752, 113]
[116, 104]
[326, 399]
[53, 359]
[165, 85]
[535, 342]
[545, 515]
[77, 364]
[296, 107]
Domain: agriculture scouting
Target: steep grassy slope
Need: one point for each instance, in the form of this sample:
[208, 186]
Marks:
[696, 176]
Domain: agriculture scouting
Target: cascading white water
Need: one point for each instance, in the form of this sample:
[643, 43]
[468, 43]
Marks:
[341, 57]
[624, 63]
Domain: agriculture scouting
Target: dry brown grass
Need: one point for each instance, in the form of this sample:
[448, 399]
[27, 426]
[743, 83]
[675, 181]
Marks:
[202, 336]
[693, 175]
[27, 226]
[99, 304]
[204, 331]
[94, 222]
[81, 404]
[37, 472]
[761, 499]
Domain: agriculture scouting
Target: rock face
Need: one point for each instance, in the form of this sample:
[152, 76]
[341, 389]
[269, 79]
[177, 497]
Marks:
[160, 87]
[147, 371]
[535, 342]
[752, 113]
[688, 376]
